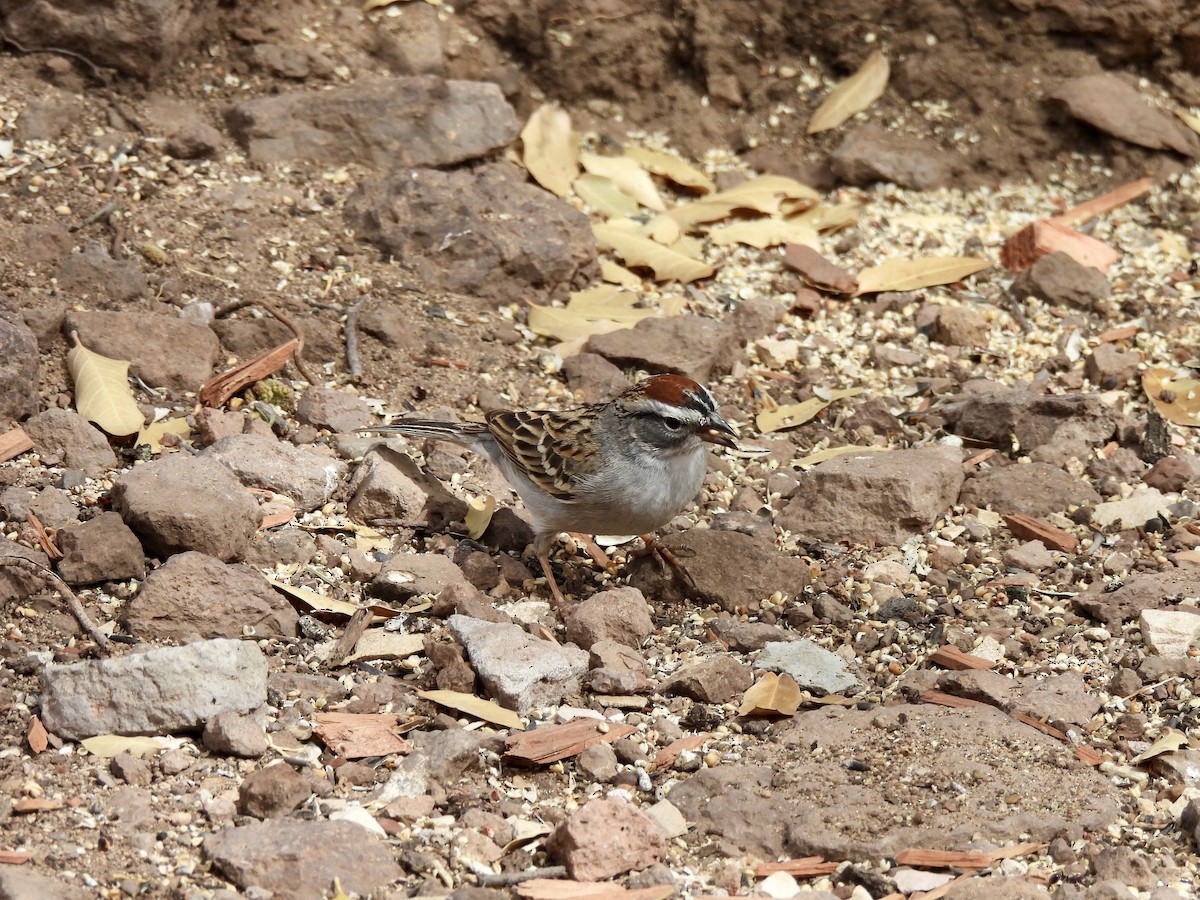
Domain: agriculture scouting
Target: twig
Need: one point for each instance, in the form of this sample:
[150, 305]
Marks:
[298, 354]
[102, 213]
[96, 73]
[507, 879]
[354, 630]
[353, 363]
[73, 603]
[45, 538]
[440, 361]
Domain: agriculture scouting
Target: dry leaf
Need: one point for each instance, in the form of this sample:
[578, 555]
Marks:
[551, 152]
[764, 233]
[630, 177]
[768, 194]
[107, 746]
[597, 310]
[853, 95]
[1192, 122]
[1168, 742]
[603, 196]
[795, 414]
[671, 167]
[479, 515]
[36, 736]
[312, 602]
[914, 274]
[771, 695]
[619, 275]
[561, 323]
[830, 218]
[1177, 399]
[818, 271]
[152, 434]
[666, 264]
[488, 710]
[820, 456]
[102, 394]
[662, 228]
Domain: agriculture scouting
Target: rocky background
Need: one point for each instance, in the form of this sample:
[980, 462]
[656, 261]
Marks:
[960, 661]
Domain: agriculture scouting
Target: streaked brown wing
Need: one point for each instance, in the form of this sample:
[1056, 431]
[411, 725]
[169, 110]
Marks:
[544, 444]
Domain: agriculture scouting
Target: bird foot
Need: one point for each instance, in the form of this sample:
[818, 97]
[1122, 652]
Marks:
[666, 560]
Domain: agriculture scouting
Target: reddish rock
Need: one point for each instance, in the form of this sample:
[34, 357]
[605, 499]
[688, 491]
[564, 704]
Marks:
[1108, 103]
[101, 549]
[164, 351]
[1171, 473]
[959, 326]
[1109, 368]
[717, 679]
[690, 345]
[1057, 278]
[1035, 489]
[869, 153]
[272, 791]
[64, 437]
[618, 614]
[604, 839]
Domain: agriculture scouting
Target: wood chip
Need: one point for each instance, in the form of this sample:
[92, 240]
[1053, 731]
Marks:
[1105, 203]
[35, 805]
[36, 736]
[15, 857]
[1037, 239]
[817, 270]
[358, 735]
[551, 743]
[804, 867]
[961, 859]
[1027, 528]
[950, 657]
[1043, 727]
[13, 443]
[1120, 333]
[665, 758]
[941, 698]
[221, 387]
[1088, 756]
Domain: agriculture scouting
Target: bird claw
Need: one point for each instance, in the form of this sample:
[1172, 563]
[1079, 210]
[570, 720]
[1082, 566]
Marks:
[666, 560]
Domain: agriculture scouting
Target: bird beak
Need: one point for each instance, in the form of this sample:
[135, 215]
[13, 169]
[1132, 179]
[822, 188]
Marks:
[718, 431]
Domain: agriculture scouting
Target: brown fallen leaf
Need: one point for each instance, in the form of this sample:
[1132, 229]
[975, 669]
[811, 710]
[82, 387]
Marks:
[359, 735]
[628, 175]
[853, 95]
[1027, 528]
[15, 857]
[771, 695]
[666, 264]
[551, 151]
[796, 414]
[550, 743]
[102, 392]
[950, 657]
[672, 168]
[817, 270]
[1037, 239]
[770, 194]
[221, 387]
[1120, 333]
[13, 443]
[914, 274]
[36, 736]
[1176, 397]
[763, 233]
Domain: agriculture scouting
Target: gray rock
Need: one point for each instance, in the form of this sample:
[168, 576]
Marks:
[813, 667]
[335, 411]
[22, 883]
[64, 437]
[869, 153]
[880, 497]
[101, 549]
[598, 763]
[995, 416]
[298, 860]
[272, 791]
[233, 734]
[397, 122]
[1144, 591]
[438, 762]
[156, 692]
[389, 485]
[258, 461]
[406, 575]
[192, 593]
[1058, 278]
[1108, 103]
[519, 671]
[18, 584]
[164, 351]
[1035, 489]
[93, 272]
[180, 503]
[18, 366]
[485, 231]
[717, 679]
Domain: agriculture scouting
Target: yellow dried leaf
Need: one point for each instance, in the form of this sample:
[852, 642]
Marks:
[102, 394]
[488, 710]
[771, 695]
[671, 167]
[551, 151]
[830, 452]
[830, 218]
[1168, 742]
[1176, 399]
[795, 414]
[107, 746]
[853, 95]
[619, 275]
[603, 196]
[662, 229]
[666, 264]
[563, 324]
[597, 310]
[479, 515]
[768, 194]
[764, 233]
[152, 434]
[1192, 122]
[914, 274]
[312, 602]
[631, 178]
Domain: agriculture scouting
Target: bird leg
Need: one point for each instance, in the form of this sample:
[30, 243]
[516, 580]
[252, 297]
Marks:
[592, 549]
[557, 598]
[656, 548]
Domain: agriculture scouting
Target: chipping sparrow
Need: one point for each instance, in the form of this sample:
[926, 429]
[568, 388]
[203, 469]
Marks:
[626, 466]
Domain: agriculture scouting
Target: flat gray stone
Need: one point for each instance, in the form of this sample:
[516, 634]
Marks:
[814, 668]
[265, 462]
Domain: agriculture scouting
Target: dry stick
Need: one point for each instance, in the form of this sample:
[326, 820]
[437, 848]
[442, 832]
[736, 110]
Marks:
[73, 603]
[507, 879]
[102, 213]
[298, 355]
[96, 73]
[353, 363]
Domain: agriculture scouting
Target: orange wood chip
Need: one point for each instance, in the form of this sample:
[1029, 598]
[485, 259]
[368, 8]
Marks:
[805, 867]
[15, 857]
[1088, 755]
[541, 746]
[13, 443]
[1043, 727]
[941, 698]
[1037, 239]
[1027, 528]
[221, 387]
[36, 805]
[665, 758]
[950, 657]
[357, 735]
[36, 736]
[959, 859]
[1105, 203]
[1120, 333]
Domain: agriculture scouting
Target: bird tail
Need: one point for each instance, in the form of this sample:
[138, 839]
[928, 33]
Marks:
[459, 432]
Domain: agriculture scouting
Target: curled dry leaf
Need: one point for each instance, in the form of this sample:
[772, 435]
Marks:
[630, 177]
[830, 218]
[551, 151]
[1177, 399]
[770, 194]
[914, 274]
[488, 710]
[820, 456]
[479, 515]
[153, 434]
[597, 310]
[107, 746]
[853, 95]
[603, 196]
[1168, 742]
[764, 233]
[666, 263]
[771, 695]
[619, 275]
[795, 414]
[672, 168]
[102, 394]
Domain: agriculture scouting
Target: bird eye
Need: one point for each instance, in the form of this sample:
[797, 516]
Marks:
[672, 423]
